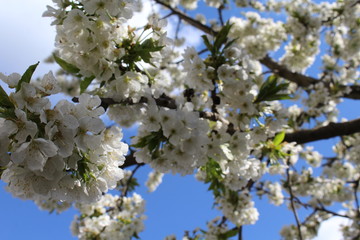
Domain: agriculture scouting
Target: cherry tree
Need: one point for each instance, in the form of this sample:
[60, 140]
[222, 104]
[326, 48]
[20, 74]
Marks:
[235, 113]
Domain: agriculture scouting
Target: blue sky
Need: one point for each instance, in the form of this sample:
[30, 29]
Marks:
[180, 203]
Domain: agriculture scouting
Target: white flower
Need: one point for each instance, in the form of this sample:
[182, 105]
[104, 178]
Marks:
[87, 137]
[154, 180]
[25, 128]
[48, 84]
[12, 80]
[89, 105]
[35, 153]
[27, 98]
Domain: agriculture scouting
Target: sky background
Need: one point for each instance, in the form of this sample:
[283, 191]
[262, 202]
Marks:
[180, 203]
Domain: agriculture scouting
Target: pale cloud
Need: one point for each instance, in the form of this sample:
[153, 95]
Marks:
[26, 37]
[140, 18]
[191, 35]
[330, 229]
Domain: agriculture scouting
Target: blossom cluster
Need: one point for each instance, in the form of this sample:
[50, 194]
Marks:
[172, 140]
[218, 115]
[112, 217]
[63, 153]
[238, 208]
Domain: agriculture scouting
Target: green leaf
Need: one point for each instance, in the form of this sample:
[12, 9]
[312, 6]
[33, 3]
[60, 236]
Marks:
[26, 77]
[278, 97]
[5, 100]
[230, 43]
[208, 44]
[229, 234]
[7, 113]
[221, 37]
[132, 184]
[144, 49]
[279, 138]
[270, 89]
[67, 67]
[153, 141]
[85, 83]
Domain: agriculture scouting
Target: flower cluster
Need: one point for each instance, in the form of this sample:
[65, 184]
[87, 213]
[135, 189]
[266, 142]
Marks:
[63, 153]
[258, 35]
[88, 33]
[172, 140]
[112, 217]
[154, 180]
[238, 208]
[218, 115]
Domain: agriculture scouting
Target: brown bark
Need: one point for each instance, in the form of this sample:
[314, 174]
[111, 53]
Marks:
[321, 133]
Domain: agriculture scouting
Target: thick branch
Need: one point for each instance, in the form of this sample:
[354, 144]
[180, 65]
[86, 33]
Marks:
[162, 101]
[301, 79]
[130, 161]
[282, 71]
[329, 131]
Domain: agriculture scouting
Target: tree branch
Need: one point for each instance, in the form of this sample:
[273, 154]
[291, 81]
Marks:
[292, 204]
[162, 101]
[130, 160]
[282, 71]
[188, 19]
[300, 79]
[329, 131]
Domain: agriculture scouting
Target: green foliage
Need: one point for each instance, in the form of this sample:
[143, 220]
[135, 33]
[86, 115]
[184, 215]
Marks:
[270, 90]
[153, 141]
[214, 176]
[231, 233]
[72, 69]
[26, 77]
[140, 51]
[132, 184]
[67, 67]
[85, 83]
[220, 39]
[273, 148]
[5, 100]
[83, 171]
[279, 138]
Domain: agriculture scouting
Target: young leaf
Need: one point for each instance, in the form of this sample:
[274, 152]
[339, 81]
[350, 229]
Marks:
[144, 49]
[85, 83]
[208, 44]
[270, 89]
[67, 67]
[5, 100]
[229, 234]
[221, 37]
[26, 77]
[279, 138]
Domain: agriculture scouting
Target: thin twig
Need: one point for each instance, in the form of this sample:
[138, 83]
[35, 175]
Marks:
[292, 204]
[188, 19]
[355, 188]
[178, 28]
[221, 19]
[126, 188]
